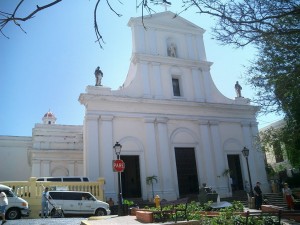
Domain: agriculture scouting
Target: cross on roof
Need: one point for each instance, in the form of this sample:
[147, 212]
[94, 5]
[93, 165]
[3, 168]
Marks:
[164, 3]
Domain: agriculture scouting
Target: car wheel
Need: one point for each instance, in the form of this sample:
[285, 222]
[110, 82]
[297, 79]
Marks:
[100, 212]
[13, 214]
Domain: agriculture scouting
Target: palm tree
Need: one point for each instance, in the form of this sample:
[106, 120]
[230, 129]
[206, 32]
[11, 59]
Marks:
[150, 180]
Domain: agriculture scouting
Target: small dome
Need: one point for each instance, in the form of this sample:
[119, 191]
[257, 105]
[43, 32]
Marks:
[49, 118]
[49, 115]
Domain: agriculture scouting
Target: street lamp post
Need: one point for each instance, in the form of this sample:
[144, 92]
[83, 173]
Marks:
[245, 152]
[118, 147]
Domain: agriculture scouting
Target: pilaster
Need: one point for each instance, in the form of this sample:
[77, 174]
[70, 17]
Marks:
[167, 181]
[206, 85]
[106, 151]
[248, 144]
[209, 170]
[151, 153]
[198, 88]
[91, 150]
[218, 154]
[45, 168]
[157, 81]
[35, 170]
[145, 78]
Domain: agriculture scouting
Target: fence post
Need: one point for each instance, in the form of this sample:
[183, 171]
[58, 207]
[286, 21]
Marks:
[32, 187]
[279, 216]
[101, 182]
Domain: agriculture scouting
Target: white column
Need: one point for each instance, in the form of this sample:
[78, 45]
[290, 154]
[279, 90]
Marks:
[206, 84]
[152, 42]
[145, 78]
[189, 40]
[151, 158]
[198, 84]
[36, 169]
[200, 48]
[140, 39]
[218, 156]
[207, 160]
[167, 182]
[248, 144]
[45, 168]
[259, 159]
[91, 150]
[71, 168]
[107, 153]
[157, 81]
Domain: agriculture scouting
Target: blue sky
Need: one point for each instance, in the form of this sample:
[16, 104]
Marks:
[50, 65]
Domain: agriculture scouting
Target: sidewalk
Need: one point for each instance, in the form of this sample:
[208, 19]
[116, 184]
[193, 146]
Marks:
[128, 220]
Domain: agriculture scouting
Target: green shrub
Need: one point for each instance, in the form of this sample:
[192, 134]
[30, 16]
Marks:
[128, 202]
[227, 216]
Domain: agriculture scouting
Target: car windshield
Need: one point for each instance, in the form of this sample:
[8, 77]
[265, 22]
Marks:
[91, 197]
[9, 193]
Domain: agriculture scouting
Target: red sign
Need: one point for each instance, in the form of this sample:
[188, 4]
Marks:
[118, 165]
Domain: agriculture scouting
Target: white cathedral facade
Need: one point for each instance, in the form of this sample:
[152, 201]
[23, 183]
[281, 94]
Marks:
[169, 117]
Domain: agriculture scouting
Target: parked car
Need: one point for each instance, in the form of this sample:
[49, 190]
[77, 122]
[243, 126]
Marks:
[77, 203]
[17, 207]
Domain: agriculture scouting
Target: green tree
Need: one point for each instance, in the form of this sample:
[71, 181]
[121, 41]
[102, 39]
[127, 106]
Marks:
[275, 75]
[273, 27]
[241, 22]
[150, 180]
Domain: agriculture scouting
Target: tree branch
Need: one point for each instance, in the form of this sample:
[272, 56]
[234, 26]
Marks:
[7, 17]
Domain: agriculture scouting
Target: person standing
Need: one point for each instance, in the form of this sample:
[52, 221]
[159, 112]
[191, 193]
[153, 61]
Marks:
[258, 196]
[287, 194]
[45, 199]
[3, 205]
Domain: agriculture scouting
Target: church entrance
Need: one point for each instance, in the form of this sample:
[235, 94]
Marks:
[235, 172]
[131, 180]
[186, 172]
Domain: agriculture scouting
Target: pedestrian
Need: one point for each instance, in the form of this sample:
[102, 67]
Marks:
[111, 202]
[258, 195]
[3, 205]
[45, 199]
[287, 194]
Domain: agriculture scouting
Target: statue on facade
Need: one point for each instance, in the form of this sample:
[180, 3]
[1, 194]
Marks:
[238, 89]
[98, 76]
[172, 50]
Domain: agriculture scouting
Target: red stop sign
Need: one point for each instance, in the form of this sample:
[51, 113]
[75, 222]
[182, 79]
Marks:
[118, 165]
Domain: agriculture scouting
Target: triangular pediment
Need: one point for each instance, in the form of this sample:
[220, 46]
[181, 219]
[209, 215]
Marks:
[166, 20]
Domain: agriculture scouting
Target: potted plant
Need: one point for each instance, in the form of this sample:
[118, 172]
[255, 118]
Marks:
[126, 205]
[150, 180]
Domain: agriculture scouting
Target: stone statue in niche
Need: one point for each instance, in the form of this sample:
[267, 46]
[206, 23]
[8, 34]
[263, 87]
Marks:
[98, 76]
[172, 50]
[238, 89]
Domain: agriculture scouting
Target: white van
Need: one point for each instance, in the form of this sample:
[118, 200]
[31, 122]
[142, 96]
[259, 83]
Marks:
[77, 202]
[63, 179]
[17, 207]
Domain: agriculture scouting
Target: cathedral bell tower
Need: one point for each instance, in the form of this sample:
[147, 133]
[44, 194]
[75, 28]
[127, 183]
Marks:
[49, 118]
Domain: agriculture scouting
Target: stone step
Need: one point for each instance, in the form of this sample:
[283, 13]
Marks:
[275, 199]
[271, 198]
